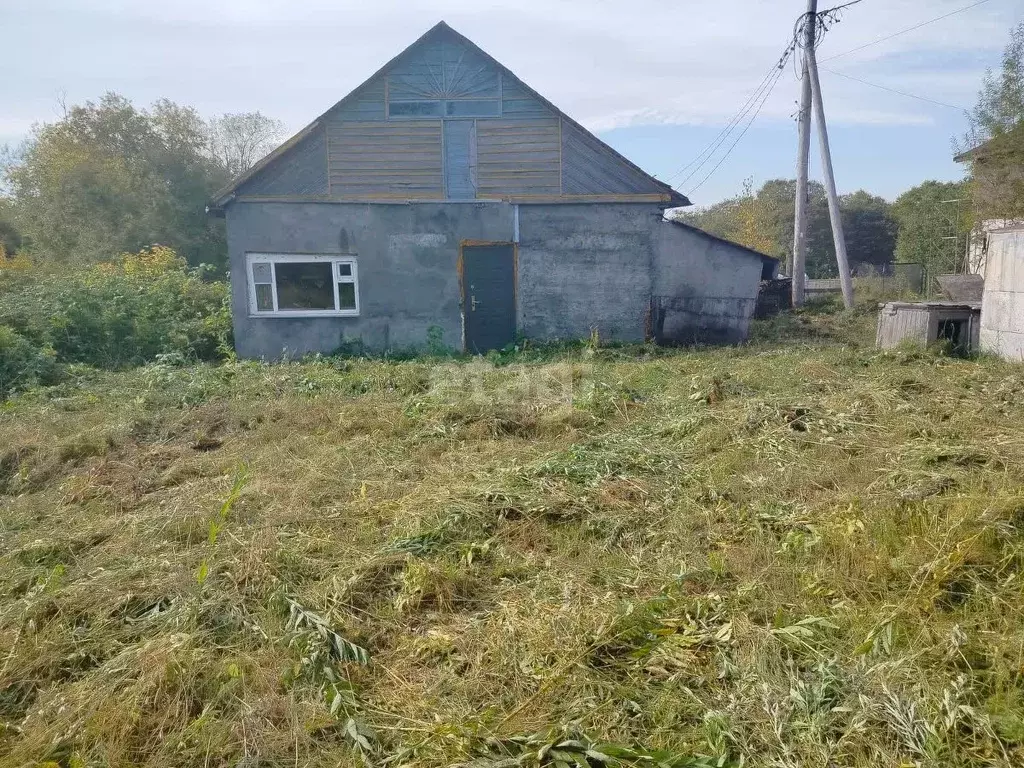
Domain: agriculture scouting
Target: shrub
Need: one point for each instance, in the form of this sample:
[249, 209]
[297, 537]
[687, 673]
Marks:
[22, 364]
[123, 312]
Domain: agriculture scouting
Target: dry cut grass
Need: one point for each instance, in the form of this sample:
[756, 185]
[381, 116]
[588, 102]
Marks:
[799, 554]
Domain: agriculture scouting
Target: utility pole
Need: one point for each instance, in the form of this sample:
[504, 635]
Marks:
[830, 180]
[803, 154]
[954, 231]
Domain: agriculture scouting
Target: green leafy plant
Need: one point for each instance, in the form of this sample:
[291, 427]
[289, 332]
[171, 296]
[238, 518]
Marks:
[435, 342]
[221, 518]
[23, 364]
[122, 312]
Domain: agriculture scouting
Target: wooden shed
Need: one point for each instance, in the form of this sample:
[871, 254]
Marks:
[928, 322]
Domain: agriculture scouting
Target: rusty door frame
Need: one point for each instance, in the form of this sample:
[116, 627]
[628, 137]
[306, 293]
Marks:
[460, 265]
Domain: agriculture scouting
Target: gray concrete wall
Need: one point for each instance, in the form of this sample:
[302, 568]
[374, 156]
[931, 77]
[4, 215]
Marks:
[408, 277]
[705, 290]
[584, 267]
[1002, 304]
[580, 267]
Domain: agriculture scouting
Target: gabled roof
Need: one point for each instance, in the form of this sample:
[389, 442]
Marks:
[221, 198]
[1000, 144]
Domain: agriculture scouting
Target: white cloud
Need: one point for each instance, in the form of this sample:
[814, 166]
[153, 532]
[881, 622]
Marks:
[608, 63]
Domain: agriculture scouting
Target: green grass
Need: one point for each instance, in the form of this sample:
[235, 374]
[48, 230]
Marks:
[802, 552]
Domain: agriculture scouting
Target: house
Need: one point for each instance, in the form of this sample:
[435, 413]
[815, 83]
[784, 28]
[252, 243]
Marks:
[445, 196]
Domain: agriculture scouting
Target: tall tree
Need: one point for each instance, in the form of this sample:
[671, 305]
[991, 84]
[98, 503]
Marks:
[995, 139]
[764, 220]
[870, 228]
[110, 178]
[933, 226]
[239, 141]
[1000, 106]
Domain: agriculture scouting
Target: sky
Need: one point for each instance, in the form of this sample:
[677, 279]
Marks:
[658, 81]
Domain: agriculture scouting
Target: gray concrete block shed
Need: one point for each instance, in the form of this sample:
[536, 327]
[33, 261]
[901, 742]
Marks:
[444, 196]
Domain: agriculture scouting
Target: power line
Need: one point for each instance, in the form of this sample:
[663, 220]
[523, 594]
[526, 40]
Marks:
[713, 145]
[893, 90]
[725, 157]
[840, 7]
[705, 154]
[762, 92]
[708, 152]
[904, 31]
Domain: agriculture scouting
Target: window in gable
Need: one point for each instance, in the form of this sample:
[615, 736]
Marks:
[415, 108]
[473, 108]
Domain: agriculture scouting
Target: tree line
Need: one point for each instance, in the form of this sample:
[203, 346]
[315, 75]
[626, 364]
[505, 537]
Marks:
[109, 178]
[920, 226]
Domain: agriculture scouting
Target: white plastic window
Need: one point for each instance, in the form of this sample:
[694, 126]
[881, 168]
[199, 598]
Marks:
[293, 285]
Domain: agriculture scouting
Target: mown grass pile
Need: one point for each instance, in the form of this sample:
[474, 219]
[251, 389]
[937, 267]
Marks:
[790, 554]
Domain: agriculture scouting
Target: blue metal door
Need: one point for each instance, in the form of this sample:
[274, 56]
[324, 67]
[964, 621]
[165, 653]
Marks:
[489, 296]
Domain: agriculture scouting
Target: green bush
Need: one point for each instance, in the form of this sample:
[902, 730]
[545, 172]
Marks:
[24, 365]
[119, 313]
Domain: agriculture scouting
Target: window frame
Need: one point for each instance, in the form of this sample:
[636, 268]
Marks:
[333, 259]
[443, 109]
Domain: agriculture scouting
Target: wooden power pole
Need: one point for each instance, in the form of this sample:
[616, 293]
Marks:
[803, 154]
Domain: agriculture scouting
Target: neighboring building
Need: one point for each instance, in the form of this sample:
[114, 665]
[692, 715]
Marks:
[1002, 305]
[977, 243]
[997, 190]
[444, 196]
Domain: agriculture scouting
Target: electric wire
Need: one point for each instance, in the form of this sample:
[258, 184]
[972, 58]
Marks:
[893, 90]
[904, 31]
[823, 21]
[760, 93]
[740, 136]
[705, 154]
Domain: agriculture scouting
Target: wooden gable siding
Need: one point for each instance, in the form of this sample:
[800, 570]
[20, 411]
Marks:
[531, 151]
[389, 159]
[518, 157]
[517, 102]
[443, 68]
[367, 103]
[302, 170]
[588, 168]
